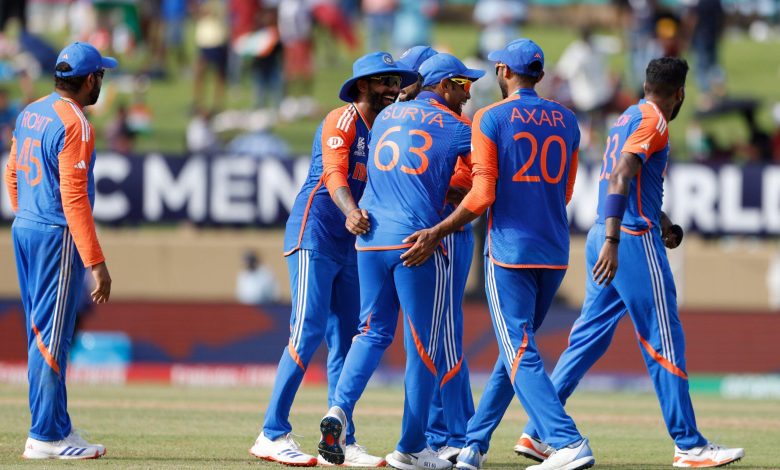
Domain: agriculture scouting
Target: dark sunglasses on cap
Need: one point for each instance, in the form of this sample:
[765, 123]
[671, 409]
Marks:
[463, 82]
[388, 80]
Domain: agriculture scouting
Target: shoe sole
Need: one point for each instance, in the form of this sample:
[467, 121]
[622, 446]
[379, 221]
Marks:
[310, 463]
[399, 465]
[724, 464]
[528, 453]
[329, 447]
[580, 464]
[63, 457]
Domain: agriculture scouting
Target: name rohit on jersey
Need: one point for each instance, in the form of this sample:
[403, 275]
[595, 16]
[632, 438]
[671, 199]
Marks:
[538, 117]
[35, 121]
[414, 114]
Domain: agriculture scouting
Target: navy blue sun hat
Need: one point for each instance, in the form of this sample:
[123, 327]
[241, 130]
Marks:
[442, 66]
[375, 63]
[518, 55]
[415, 56]
[83, 59]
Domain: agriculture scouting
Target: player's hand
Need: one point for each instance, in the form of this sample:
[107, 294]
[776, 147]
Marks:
[672, 236]
[102, 283]
[424, 245]
[606, 266]
[357, 221]
[456, 194]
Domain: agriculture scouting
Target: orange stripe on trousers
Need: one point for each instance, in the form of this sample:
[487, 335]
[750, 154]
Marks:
[421, 349]
[662, 360]
[519, 357]
[42, 348]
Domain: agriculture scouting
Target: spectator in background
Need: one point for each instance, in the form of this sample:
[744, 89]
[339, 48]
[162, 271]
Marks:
[256, 284]
[8, 113]
[119, 135]
[174, 18]
[776, 134]
[500, 22]
[705, 19]
[295, 30]
[413, 23]
[268, 62]
[638, 19]
[201, 138]
[211, 39]
[379, 16]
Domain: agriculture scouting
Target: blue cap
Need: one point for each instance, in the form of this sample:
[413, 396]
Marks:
[442, 66]
[375, 63]
[415, 56]
[83, 59]
[518, 55]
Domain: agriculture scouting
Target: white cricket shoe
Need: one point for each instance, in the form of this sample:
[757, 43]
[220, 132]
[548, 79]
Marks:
[426, 459]
[283, 450]
[470, 458]
[355, 455]
[71, 448]
[448, 453]
[710, 455]
[532, 448]
[574, 457]
[333, 441]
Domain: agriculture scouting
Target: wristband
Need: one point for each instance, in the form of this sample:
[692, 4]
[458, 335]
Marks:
[614, 240]
[614, 206]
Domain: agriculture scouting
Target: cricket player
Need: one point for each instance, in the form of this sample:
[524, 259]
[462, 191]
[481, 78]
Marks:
[524, 155]
[320, 250]
[414, 148]
[632, 228]
[453, 404]
[50, 180]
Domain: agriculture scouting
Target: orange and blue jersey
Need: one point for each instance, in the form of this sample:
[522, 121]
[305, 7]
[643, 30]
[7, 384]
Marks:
[524, 156]
[338, 159]
[414, 148]
[50, 171]
[643, 131]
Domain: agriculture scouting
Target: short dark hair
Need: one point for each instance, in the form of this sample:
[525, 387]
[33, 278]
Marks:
[666, 75]
[536, 67]
[429, 87]
[69, 84]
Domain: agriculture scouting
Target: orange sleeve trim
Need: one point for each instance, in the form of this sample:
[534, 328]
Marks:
[338, 133]
[383, 248]
[651, 135]
[295, 357]
[421, 349]
[484, 159]
[452, 373]
[74, 163]
[519, 356]
[305, 217]
[661, 360]
[461, 177]
[575, 163]
[44, 351]
[10, 177]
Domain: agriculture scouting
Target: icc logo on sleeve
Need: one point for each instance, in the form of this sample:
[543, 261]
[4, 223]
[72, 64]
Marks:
[335, 142]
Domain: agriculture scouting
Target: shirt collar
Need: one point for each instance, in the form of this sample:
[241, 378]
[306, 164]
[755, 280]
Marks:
[526, 92]
[431, 96]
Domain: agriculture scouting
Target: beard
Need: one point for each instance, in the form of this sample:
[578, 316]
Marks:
[676, 110]
[377, 101]
[93, 95]
[503, 86]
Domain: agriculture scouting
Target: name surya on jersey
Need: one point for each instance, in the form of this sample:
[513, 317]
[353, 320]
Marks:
[529, 116]
[430, 118]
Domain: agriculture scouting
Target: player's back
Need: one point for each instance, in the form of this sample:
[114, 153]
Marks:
[414, 148]
[641, 130]
[42, 129]
[537, 142]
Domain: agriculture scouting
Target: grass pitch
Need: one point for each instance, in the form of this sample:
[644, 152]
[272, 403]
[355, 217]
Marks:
[173, 427]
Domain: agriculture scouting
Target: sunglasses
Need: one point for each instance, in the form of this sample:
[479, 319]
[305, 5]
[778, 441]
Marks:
[465, 83]
[390, 81]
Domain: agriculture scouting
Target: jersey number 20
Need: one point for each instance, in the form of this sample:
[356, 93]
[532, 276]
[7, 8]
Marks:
[521, 175]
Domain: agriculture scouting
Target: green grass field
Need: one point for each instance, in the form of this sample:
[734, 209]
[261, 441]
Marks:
[166, 427]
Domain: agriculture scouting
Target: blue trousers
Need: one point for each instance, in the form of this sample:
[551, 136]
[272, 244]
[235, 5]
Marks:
[518, 301]
[453, 404]
[643, 287]
[50, 275]
[421, 293]
[326, 304]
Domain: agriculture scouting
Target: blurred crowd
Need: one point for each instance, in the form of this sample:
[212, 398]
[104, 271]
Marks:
[212, 44]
